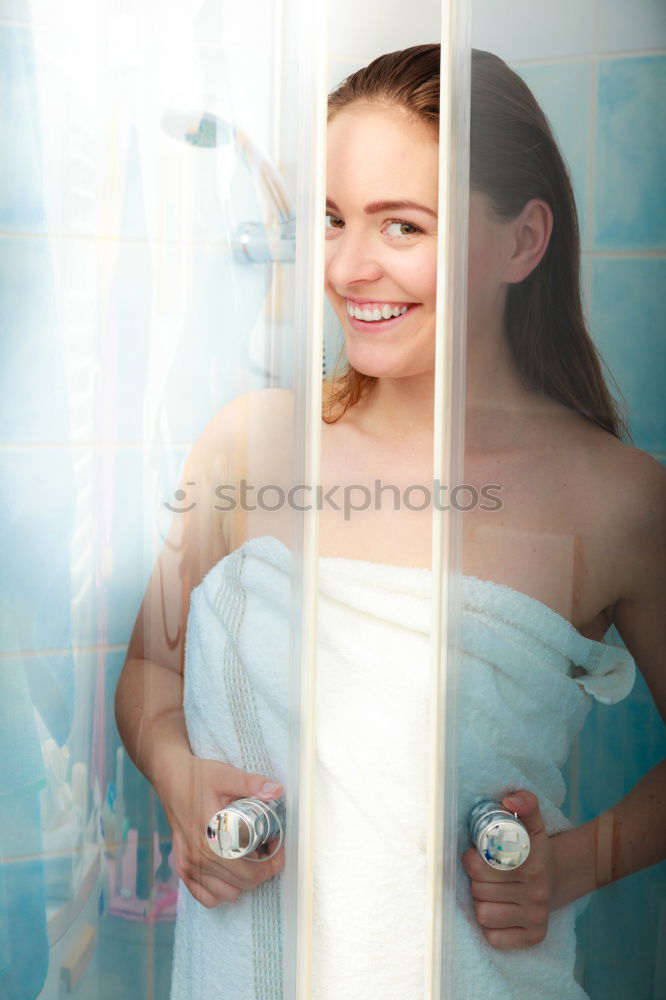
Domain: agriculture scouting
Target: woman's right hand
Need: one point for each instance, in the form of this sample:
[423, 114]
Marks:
[192, 789]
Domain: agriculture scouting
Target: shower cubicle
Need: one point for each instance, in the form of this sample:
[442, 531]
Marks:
[161, 251]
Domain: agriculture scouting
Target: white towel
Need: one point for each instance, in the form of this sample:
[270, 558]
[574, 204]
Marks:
[526, 683]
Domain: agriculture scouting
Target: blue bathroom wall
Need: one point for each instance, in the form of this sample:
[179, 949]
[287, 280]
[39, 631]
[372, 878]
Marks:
[98, 210]
[608, 114]
[598, 69]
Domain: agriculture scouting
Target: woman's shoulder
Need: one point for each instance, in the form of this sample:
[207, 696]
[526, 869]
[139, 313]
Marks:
[636, 487]
[260, 410]
[626, 474]
[257, 403]
[621, 498]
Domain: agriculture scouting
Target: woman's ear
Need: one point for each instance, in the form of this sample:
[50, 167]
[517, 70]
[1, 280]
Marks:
[530, 233]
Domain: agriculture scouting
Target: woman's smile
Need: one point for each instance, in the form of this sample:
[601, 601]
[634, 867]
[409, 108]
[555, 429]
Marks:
[377, 317]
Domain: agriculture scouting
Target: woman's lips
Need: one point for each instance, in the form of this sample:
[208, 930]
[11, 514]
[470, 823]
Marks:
[365, 326]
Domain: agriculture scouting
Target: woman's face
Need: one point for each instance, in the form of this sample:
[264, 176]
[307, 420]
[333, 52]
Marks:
[381, 258]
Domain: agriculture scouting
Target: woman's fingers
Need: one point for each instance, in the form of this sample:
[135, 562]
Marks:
[480, 870]
[211, 891]
[212, 873]
[498, 892]
[491, 914]
[512, 908]
[494, 915]
[245, 874]
[230, 880]
[239, 874]
[508, 939]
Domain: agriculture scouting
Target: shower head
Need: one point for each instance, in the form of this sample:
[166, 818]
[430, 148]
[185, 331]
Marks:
[197, 128]
[206, 130]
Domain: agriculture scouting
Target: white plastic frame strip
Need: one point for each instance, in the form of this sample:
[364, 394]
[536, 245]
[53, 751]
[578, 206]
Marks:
[308, 21]
[448, 467]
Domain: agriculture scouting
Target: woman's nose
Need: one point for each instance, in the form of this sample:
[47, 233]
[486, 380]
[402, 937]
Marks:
[349, 260]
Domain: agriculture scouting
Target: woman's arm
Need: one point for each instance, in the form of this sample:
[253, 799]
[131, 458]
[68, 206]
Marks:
[149, 696]
[512, 908]
[630, 836]
[150, 717]
[620, 842]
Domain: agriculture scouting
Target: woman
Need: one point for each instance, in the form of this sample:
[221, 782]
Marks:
[579, 535]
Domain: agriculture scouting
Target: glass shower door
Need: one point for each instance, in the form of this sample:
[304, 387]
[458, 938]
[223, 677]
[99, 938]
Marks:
[597, 78]
[149, 241]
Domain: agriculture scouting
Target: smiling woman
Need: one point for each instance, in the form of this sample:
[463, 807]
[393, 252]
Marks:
[538, 414]
[577, 543]
[376, 264]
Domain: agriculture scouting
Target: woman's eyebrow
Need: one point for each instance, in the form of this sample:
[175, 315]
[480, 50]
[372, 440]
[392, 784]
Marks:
[386, 206]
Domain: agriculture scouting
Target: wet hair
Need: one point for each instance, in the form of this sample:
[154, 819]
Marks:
[514, 157]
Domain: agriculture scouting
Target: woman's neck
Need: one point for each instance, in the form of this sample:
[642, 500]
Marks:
[401, 409]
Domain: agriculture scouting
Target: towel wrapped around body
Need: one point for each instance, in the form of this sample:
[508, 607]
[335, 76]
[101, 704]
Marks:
[526, 683]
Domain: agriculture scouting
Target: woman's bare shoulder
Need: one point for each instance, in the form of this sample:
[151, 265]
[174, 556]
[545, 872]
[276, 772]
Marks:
[622, 501]
[252, 416]
[247, 405]
[631, 478]
[639, 481]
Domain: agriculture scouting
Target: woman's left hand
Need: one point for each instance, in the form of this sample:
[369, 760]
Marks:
[513, 907]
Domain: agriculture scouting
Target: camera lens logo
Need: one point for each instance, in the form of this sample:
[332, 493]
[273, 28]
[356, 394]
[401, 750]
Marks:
[180, 495]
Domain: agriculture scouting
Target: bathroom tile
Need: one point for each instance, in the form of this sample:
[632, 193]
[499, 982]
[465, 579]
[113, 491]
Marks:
[38, 503]
[619, 936]
[563, 90]
[15, 11]
[22, 764]
[86, 736]
[21, 205]
[75, 572]
[523, 29]
[184, 321]
[207, 330]
[33, 388]
[622, 27]
[107, 338]
[619, 744]
[134, 959]
[630, 208]
[628, 306]
[365, 31]
[130, 492]
[339, 68]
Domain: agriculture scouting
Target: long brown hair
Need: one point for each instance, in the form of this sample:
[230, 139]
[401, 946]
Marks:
[513, 157]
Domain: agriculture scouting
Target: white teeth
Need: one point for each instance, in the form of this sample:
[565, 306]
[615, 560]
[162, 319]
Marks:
[376, 313]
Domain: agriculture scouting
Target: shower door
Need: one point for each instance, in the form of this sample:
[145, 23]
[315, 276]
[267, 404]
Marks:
[158, 179]
[165, 334]
[598, 74]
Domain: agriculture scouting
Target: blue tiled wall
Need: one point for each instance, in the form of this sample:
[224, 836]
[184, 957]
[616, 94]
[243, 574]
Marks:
[608, 115]
[52, 632]
[608, 111]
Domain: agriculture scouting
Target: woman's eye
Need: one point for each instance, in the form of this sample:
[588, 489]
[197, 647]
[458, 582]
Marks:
[408, 225]
[333, 222]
